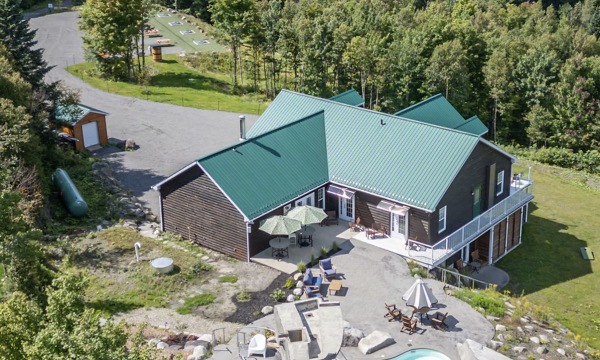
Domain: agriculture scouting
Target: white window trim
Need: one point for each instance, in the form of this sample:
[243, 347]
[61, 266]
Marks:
[445, 217]
[319, 191]
[501, 177]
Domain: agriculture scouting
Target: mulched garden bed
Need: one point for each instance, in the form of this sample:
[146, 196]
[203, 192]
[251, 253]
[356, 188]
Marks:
[249, 311]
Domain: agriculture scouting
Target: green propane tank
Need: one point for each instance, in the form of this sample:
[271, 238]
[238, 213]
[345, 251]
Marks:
[69, 193]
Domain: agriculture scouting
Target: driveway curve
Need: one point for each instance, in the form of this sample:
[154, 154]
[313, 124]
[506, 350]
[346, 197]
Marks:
[169, 136]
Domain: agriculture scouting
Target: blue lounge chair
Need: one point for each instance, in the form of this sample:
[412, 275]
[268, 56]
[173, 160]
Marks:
[310, 293]
[312, 284]
[327, 269]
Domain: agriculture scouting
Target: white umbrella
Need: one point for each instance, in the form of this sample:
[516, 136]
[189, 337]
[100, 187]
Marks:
[419, 295]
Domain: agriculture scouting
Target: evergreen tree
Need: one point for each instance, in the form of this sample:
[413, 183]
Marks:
[16, 36]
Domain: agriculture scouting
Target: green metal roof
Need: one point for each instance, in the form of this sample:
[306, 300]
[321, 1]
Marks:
[73, 113]
[360, 150]
[435, 110]
[473, 126]
[272, 168]
[350, 97]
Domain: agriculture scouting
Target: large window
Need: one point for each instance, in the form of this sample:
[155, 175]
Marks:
[321, 198]
[442, 220]
[500, 183]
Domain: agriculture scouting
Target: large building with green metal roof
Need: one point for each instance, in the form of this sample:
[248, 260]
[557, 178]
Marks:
[424, 177]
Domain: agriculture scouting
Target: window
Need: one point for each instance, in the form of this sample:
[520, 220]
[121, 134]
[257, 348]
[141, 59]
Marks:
[442, 220]
[287, 208]
[321, 198]
[500, 183]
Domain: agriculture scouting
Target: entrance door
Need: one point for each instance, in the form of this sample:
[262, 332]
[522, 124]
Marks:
[90, 134]
[398, 226]
[347, 209]
[477, 201]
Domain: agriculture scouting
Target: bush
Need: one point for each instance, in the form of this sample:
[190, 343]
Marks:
[324, 252]
[587, 161]
[335, 246]
[278, 295]
[289, 283]
[493, 306]
[301, 267]
[228, 279]
[184, 310]
[417, 269]
[313, 259]
[244, 296]
[199, 300]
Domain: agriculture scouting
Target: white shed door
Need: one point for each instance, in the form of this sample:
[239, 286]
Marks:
[90, 134]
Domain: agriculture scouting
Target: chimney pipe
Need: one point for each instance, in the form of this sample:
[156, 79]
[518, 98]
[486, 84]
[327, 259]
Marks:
[242, 127]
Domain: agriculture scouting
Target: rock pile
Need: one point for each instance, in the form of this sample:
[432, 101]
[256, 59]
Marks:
[199, 344]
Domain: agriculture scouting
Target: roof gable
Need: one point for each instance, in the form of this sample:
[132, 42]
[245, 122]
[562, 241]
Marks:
[350, 97]
[360, 149]
[268, 170]
[435, 110]
[473, 126]
[73, 113]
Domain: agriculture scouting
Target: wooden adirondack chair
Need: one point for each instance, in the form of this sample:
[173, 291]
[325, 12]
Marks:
[408, 325]
[393, 313]
[438, 323]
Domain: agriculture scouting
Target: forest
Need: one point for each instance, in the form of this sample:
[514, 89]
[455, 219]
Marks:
[530, 71]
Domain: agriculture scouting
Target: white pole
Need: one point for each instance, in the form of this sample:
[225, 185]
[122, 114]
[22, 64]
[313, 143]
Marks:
[137, 246]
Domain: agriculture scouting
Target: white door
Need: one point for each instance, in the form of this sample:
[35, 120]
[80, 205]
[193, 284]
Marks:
[398, 226]
[347, 209]
[90, 134]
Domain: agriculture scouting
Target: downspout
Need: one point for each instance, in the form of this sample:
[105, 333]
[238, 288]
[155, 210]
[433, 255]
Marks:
[248, 231]
[160, 209]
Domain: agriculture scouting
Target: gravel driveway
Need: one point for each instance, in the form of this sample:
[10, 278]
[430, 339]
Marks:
[169, 136]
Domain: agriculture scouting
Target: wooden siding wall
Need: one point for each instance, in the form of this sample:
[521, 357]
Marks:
[499, 240]
[91, 117]
[193, 200]
[259, 240]
[483, 245]
[418, 226]
[366, 209]
[514, 229]
[458, 198]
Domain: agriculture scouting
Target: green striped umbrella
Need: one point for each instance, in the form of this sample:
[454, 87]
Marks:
[280, 225]
[307, 214]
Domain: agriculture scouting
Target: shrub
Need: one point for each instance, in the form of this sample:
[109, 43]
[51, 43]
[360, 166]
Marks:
[493, 306]
[184, 310]
[324, 252]
[417, 269]
[301, 267]
[335, 246]
[289, 283]
[199, 300]
[313, 259]
[587, 161]
[278, 295]
[228, 279]
[244, 296]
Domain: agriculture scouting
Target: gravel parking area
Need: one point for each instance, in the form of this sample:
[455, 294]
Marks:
[169, 136]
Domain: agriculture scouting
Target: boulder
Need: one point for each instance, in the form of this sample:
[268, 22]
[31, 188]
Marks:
[205, 257]
[162, 345]
[580, 356]
[291, 298]
[297, 291]
[208, 338]
[352, 335]
[502, 337]
[472, 350]
[300, 284]
[298, 276]
[561, 351]
[529, 328]
[494, 345]
[375, 341]
[518, 349]
[492, 318]
[534, 339]
[271, 339]
[509, 305]
[544, 339]
[500, 327]
[103, 169]
[200, 350]
[524, 321]
[267, 310]
[151, 217]
[541, 350]
[153, 342]
[139, 213]
[175, 347]
[191, 345]
[130, 144]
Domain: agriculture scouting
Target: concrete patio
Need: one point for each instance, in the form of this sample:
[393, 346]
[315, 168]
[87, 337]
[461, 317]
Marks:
[371, 277]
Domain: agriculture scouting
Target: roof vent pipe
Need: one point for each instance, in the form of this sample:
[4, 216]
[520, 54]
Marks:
[242, 127]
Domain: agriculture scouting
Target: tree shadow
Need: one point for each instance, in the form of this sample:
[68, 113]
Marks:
[199, 82]
[547, 256]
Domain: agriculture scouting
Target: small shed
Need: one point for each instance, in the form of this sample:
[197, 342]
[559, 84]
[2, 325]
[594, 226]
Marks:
[84, 123]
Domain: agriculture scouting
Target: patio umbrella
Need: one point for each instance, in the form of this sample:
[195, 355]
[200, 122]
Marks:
[419, 295]
[307, 214]
[280, 225]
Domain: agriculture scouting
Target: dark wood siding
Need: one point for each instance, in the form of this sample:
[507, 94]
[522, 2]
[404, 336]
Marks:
[366, 209]
[514, 229]
[259, 240]
[418, 226]
[499, 240]
[458, 198]
[483, 245]
[193, 200]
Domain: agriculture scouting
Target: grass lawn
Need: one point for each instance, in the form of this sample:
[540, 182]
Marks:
[548, 265]
[186, 42]
[177, 84]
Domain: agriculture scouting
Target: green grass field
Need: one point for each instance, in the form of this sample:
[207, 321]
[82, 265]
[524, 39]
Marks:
[183, 41]
[548, 266]
[177, 84]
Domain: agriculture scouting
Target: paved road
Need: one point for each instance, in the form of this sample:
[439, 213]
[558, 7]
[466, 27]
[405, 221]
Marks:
[169, 136]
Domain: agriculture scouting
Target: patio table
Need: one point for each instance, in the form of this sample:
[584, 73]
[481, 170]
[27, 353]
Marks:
[476, 266]
[280, 248]
[306, 234]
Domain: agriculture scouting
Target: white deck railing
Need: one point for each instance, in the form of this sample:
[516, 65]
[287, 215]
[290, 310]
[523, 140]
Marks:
[459, 238]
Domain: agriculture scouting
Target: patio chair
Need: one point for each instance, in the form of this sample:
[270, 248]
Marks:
[393, 313]
[355, 226]
[258, 345]
[379, 229]
[313, 282]
[437, 323]
[311, 293]
[408, 325]
[330, 219]
[460, 266]
[293, 239]
[327, 269]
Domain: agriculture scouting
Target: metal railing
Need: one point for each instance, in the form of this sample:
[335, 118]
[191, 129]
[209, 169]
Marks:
[474, 228]
[460, 279]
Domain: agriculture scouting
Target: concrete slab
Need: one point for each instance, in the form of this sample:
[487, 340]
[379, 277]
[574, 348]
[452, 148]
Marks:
[492, 275]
